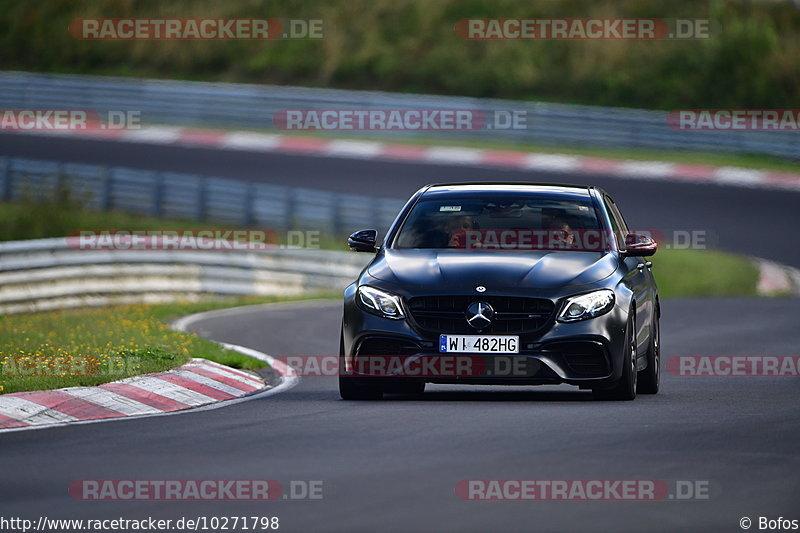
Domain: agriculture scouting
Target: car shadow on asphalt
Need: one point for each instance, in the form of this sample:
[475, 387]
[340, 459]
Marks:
[495, 396]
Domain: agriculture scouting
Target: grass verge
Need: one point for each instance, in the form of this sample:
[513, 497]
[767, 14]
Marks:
[697, 273]
[57, 217]
[91, 346]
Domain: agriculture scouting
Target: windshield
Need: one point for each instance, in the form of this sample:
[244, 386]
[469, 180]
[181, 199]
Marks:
[503, 222]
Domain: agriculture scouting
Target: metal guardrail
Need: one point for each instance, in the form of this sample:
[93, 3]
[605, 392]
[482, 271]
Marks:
[253, 106]
[43, 274]
[195, 197]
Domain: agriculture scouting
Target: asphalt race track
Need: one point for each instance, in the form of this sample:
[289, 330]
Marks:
[393, 465]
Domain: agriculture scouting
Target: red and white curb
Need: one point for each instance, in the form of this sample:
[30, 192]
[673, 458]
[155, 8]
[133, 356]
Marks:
[776, 279]
[520, 160]
[198, 385]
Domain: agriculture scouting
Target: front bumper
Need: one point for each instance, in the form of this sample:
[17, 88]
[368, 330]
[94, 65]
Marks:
[586, 353]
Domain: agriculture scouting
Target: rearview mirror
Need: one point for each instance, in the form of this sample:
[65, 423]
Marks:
[639, 245]
[363, 241]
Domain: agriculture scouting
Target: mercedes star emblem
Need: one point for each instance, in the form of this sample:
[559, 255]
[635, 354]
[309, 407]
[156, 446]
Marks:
[479, 315]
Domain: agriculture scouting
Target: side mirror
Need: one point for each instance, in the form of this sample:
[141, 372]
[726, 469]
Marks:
[639, 245]
[363, 241]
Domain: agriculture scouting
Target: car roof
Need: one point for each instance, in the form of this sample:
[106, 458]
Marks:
[549, 189]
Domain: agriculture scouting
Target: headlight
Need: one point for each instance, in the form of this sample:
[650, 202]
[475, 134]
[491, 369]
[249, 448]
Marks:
[380, 303]
[587, 305]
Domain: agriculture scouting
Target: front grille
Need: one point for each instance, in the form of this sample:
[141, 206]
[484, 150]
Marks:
[513, 314]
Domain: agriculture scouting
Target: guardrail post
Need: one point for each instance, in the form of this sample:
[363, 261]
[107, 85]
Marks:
[249, 205]
[8, 180]
[291, 208]
[62, 183]
[338, 208]
[202, 193]
[107, 181]
[158, 195]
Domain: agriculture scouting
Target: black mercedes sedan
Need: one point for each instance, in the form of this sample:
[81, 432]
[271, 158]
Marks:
[503, 284]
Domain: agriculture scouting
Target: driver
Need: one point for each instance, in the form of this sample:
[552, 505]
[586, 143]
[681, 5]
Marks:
[560, 233]
[457, 228]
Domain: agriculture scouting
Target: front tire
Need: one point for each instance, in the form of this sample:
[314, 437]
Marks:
[625, 388]
[650, 377]
[354, 389]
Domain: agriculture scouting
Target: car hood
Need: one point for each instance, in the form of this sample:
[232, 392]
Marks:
[435, 269]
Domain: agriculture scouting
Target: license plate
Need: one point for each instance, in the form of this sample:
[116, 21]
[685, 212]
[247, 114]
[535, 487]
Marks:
[478, 343]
